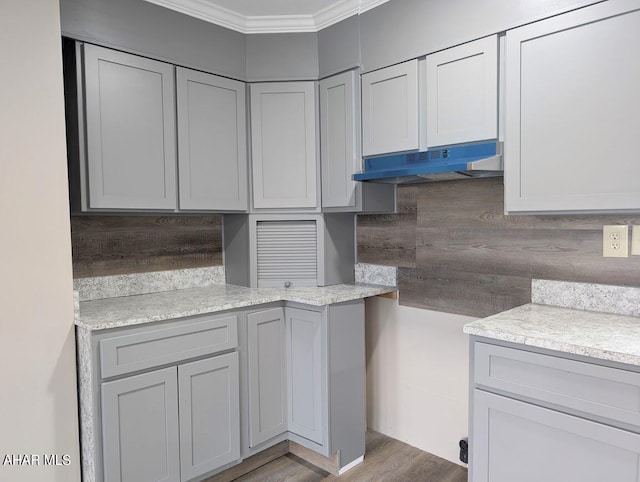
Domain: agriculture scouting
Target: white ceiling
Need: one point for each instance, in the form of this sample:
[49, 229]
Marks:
[265, 16]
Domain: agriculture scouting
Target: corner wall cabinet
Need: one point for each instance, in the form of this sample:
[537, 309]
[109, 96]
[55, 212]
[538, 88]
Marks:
[390, 109]
[124, 152]
[572, 112]
[340, 152]
[462, 93]
[537, 415]
[284, 145]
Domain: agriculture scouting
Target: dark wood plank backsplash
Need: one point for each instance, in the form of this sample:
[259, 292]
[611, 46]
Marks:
[107, 245]
[469, 258]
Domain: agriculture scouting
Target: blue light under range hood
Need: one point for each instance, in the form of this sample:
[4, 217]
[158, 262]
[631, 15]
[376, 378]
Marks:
[464, 161]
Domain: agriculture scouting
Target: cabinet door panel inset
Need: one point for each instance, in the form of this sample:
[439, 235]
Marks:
[283, 131]
[130, 129]
[267, 387]
[572, 113]
[339, 151]
[390, 109]
[209, 414]
[140, 428]
[304, 366]
[462, 93]
[211, 142]
[513, 440]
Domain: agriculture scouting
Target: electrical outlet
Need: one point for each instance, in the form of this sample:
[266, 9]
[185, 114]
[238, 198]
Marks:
[635, 240]
[615, 241]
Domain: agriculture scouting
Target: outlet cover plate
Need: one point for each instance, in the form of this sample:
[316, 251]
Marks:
[615, 241]
[635, 240]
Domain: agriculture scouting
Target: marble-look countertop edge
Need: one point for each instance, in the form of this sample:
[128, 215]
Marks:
[518, 324]
[319, 298]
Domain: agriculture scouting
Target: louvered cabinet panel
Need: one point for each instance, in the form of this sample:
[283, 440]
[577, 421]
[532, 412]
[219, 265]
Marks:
[287, 253]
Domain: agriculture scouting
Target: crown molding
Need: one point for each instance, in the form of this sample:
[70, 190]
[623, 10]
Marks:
[269, 23]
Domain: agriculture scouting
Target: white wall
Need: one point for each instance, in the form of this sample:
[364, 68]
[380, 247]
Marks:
[417, 376]
[37, 356]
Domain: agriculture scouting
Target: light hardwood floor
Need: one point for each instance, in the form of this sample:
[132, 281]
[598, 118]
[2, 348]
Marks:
[386, 459]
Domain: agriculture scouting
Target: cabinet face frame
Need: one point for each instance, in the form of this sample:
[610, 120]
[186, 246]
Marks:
[520, 42]
[401, 88]
[94, 144]
[236, 147]
[484, 70]
[264, 164]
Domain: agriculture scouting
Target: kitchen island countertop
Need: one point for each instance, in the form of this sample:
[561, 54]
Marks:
[123, 311]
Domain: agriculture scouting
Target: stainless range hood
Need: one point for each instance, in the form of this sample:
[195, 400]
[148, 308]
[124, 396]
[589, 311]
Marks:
[463, 161]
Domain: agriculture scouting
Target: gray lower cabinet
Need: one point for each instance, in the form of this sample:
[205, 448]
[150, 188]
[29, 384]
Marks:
[306, 372]
[209, 414]
[539, 415]
[169, 400]
[266, 374]
[326, 378]
[514, 440]
[140, 428]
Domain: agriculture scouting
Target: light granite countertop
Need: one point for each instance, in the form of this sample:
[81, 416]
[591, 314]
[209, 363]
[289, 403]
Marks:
[123, 311]
[606, 336]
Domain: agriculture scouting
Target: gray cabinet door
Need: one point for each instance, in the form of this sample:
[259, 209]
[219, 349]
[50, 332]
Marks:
[140, 428]
[572, 123]
[390, 109]
[209, 414]
[305, 374]
[462, 93]
[267, 386]
[212, 144]
[284, 145]
[339, 148]
[513, 440]
[130, 131]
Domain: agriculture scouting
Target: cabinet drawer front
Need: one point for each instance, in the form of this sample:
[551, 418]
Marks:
[128, 353]
[593, 389]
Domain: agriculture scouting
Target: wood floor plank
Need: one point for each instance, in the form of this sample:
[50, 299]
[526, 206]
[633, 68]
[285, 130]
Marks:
[386, 460]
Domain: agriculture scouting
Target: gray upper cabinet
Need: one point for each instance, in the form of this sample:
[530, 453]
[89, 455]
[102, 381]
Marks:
[212, 144]
[390, 120]
[209, 414]
[130, 131]
[572, 123]
[140, 428]
[306, 373]
[340, 140]
[284, 145]
[462, 93]
[266, 373]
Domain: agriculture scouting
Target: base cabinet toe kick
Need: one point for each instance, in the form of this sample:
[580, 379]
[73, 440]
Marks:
[537, 415]
[184, 399]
